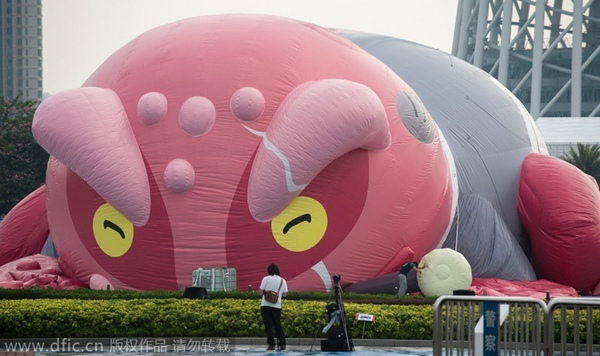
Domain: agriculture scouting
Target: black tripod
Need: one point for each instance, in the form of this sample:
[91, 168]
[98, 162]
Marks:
[338, 340]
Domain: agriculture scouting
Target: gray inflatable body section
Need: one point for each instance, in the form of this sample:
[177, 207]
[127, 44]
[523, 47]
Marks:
[489, 133]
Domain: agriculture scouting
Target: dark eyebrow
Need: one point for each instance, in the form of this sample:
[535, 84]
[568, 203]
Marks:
[296, 221]
[111, 225]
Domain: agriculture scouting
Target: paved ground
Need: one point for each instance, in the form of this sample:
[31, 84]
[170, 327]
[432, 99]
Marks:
[357, 342]
[142, 346]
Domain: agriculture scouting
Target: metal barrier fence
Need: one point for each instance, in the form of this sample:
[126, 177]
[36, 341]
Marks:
[470, 325]
[582, 326]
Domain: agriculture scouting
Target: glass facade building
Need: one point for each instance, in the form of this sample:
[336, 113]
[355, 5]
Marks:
[21, 49]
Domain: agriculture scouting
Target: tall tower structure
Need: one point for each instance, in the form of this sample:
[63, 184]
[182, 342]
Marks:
[544, 51]
[21, 49]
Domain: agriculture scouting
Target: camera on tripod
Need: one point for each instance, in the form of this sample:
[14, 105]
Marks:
[337, 328]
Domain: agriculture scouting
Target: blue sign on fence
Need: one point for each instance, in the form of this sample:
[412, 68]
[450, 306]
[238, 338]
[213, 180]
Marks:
[491, 324]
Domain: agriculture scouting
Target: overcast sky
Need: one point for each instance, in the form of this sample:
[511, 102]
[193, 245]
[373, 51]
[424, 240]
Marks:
[80, 34]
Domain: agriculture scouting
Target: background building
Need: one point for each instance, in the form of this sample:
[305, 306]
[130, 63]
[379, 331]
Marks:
[545, 52]
[563, 133]
[21, 49]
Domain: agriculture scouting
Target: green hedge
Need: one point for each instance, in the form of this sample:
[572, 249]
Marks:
[41, 313]
[171, 317]
[83, 293]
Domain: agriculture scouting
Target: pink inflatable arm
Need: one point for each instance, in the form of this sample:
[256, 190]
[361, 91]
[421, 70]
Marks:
[558, 204]
[317, 123]
[25, 229]
[88, 131]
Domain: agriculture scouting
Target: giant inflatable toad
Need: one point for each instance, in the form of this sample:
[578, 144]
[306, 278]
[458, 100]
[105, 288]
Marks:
[243, 140]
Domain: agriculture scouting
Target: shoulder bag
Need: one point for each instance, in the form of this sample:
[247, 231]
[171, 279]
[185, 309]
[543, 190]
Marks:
[272, 296]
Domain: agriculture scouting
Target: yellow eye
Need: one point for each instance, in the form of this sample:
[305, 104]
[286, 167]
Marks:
[301, 225]
[112, 230]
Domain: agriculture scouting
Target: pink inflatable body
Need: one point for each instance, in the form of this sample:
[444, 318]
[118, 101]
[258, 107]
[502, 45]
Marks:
[244, 140]
[214, 149]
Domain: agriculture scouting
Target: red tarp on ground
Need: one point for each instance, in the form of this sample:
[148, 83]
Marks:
[534, 289]
[35, 271]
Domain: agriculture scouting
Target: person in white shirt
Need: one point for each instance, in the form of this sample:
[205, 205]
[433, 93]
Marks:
[271, 312]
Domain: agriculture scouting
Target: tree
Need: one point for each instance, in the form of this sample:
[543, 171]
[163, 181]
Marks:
[22, 160]
[586, 158]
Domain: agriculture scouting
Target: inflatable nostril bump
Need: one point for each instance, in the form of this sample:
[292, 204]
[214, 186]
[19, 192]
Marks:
[414, 116]
[179, 176]
[197, 116]
[152, 107]
[247, 104]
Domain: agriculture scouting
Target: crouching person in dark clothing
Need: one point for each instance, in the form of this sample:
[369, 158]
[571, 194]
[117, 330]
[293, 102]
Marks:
[403, 276]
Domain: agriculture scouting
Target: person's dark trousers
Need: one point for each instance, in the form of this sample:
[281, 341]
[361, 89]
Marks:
[272, 319]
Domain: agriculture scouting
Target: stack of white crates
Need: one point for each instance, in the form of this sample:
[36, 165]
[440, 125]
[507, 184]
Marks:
[215, 279]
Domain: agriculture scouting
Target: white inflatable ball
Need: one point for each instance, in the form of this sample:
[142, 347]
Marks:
[445, 271]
